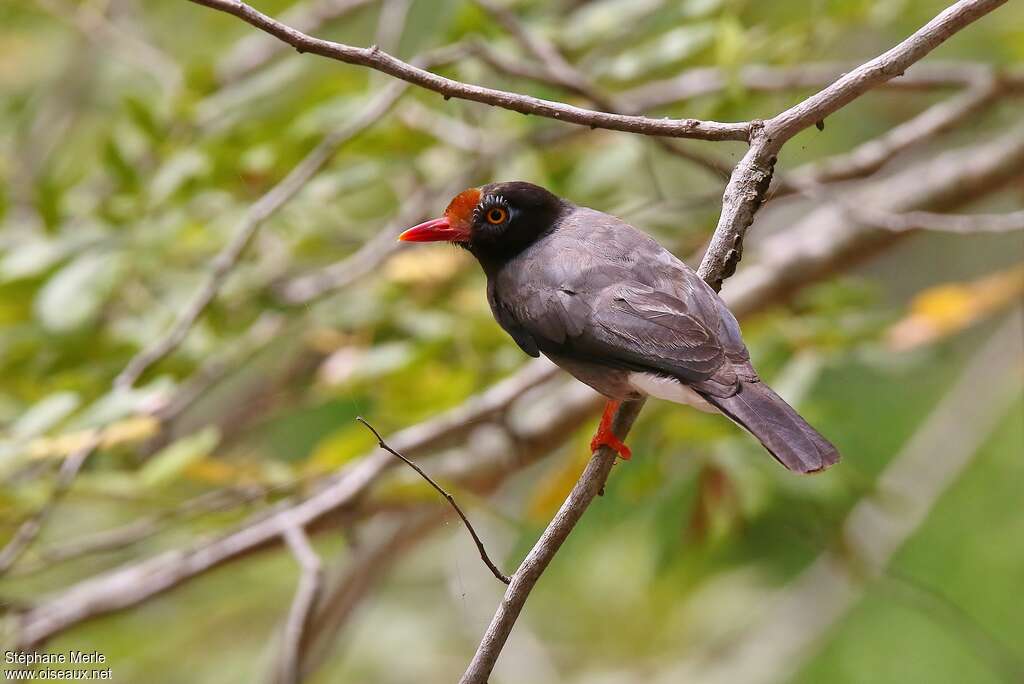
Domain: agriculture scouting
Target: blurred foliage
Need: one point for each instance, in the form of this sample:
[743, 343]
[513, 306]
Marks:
[119, 187]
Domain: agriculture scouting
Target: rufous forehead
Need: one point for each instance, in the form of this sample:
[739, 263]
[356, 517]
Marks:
[461, 208]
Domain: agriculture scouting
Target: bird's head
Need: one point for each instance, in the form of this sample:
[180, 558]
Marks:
[494, 222]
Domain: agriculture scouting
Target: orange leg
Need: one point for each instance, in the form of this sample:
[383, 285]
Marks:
[605, 437]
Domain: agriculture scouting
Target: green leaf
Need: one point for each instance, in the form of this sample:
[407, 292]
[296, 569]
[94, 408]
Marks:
[44, 415]
[73, 296]
[30, 259]
[168, 464]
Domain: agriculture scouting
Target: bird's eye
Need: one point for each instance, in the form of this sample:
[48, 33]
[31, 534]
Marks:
[496, 215]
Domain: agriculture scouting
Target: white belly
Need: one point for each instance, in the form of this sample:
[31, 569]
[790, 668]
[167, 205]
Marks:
[669, 389]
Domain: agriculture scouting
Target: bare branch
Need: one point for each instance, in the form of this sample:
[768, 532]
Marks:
[376, 59]
[498, 574]
[750, 180]
[872, 155]
[759, 78]
[300, 614]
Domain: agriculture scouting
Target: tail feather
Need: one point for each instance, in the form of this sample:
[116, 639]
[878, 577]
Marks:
[787, 436]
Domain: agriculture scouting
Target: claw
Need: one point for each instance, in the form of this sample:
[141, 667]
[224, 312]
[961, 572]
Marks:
[605, 436]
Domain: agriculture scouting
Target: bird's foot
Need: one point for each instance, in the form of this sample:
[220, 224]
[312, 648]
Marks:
[613, 442]
[605, 436]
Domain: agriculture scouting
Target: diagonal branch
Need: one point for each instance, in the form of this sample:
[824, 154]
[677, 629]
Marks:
[872, 155]
[750, 180]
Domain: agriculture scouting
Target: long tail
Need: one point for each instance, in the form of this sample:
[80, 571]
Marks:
[778, 426]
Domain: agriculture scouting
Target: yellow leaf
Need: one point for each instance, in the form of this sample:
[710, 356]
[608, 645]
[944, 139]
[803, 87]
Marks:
[949, 308]
[424, 265]
[127, 431]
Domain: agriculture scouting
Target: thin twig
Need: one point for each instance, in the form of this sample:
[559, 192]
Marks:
[300, 615]
[502, 577]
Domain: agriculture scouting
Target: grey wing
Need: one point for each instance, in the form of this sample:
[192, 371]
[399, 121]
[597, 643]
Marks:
[627, 326]
[653, 331]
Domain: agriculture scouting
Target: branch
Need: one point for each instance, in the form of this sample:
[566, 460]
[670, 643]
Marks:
[828, 239]
[872, 155]
[300, 614]
[750, 180]
[761, 78]
[498, 574]
[376, 59]
[590, 484]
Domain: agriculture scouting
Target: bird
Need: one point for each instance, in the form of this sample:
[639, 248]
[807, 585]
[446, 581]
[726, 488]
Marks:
[607, 303]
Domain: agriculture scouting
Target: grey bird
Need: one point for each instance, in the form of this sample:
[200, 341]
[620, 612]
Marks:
[622, 314]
